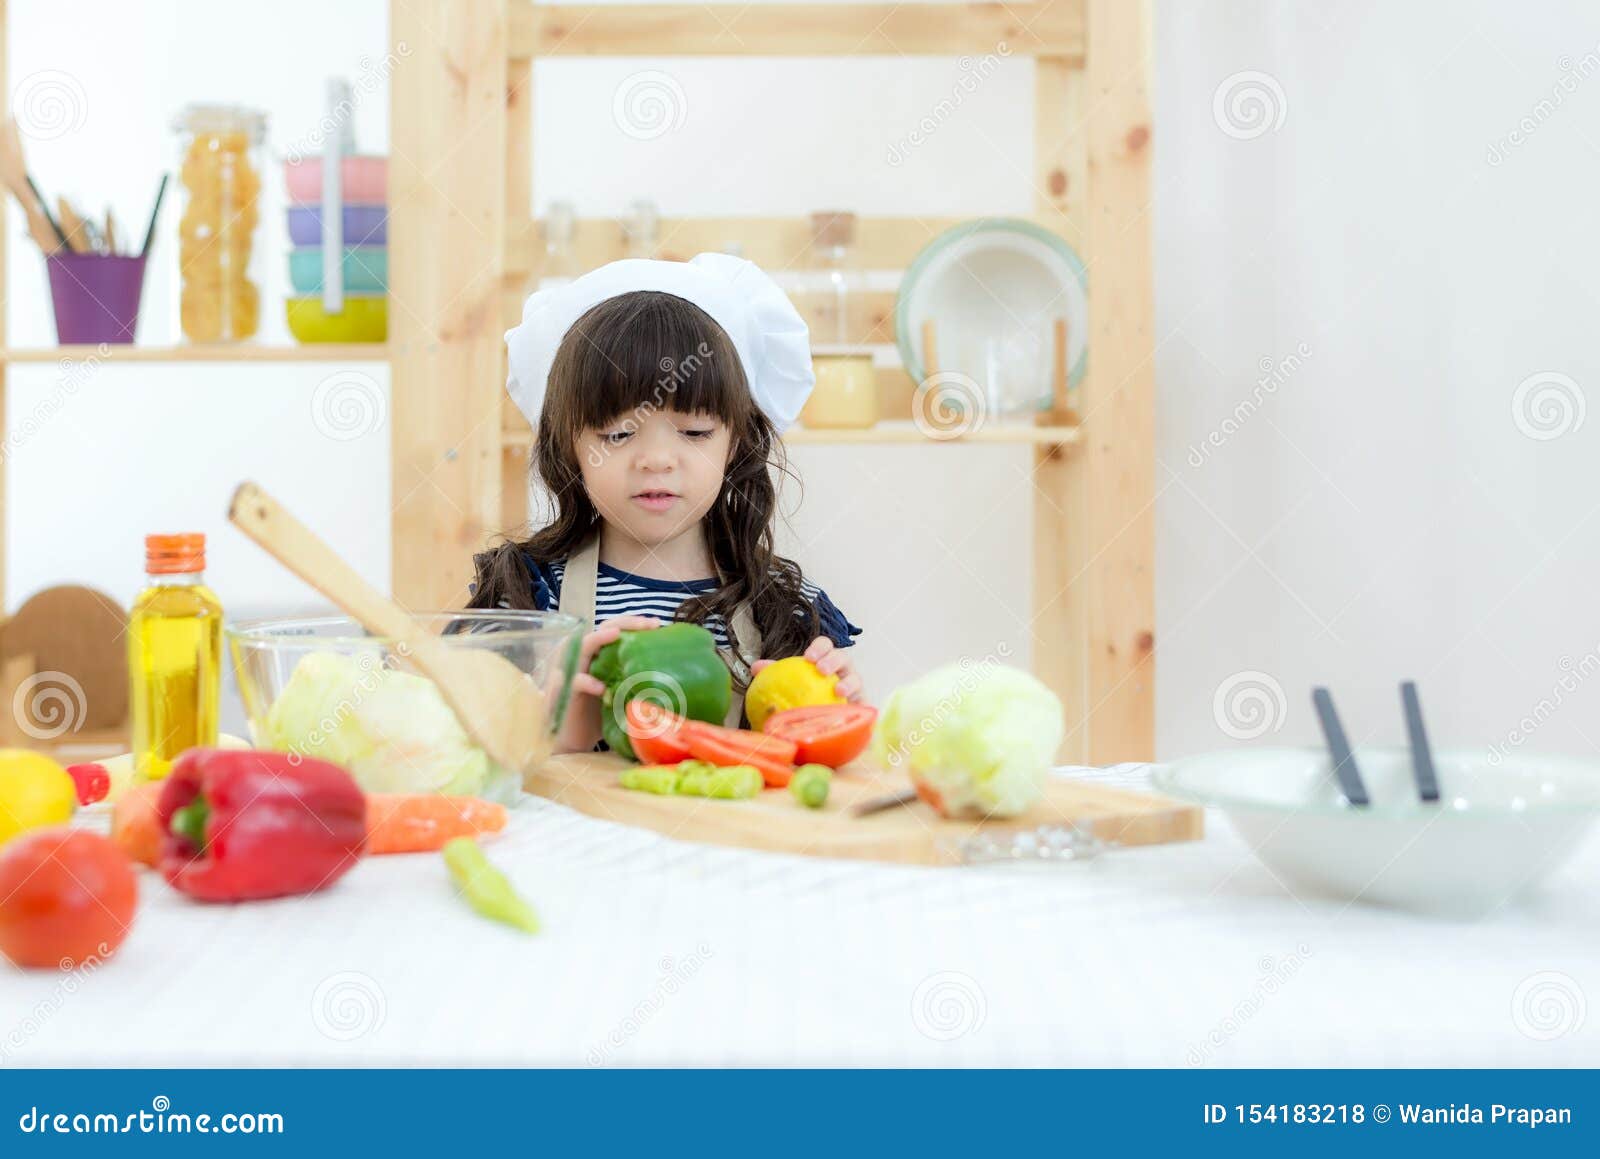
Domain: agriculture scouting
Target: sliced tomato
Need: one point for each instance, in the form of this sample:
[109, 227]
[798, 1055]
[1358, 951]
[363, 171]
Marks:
[655, 733]
[825, 734]
[772, 756]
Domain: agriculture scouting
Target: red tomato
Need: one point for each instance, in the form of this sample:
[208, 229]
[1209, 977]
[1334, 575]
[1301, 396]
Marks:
[825, 734]
[653, 732]
[66, 895]
[771, 755]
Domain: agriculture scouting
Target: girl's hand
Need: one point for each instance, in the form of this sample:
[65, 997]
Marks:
[829, 658]
[580, 731]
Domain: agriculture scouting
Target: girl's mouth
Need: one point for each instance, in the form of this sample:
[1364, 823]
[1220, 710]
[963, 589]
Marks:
[655, 500]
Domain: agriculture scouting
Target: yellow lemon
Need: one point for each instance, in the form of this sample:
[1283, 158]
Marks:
[794, 682]
[34, 791]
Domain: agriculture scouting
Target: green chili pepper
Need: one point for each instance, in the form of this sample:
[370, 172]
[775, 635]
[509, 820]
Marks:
[676, 665]
[486, 889]
[694, 779]
[662, 779]
[810, 785]
[728, 782]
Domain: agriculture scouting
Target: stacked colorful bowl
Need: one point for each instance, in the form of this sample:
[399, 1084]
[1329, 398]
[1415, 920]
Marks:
[365, 262]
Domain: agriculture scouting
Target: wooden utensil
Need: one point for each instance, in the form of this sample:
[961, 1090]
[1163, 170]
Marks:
[111, 232]
[1344, 761]
[915, 834]
[499, 705]
[1421, 754]
[74, 226]
[14, 174]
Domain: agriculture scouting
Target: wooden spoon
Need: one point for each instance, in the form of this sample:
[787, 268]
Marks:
[499, 705]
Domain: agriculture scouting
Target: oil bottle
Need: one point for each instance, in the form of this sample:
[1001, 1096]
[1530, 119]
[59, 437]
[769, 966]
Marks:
[174, 655]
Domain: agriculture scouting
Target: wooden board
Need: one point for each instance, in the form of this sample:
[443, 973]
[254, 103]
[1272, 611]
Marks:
[74, 642]
[911, 834]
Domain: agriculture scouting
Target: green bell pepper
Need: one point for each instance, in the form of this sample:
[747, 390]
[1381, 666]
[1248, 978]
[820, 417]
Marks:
[676, 666]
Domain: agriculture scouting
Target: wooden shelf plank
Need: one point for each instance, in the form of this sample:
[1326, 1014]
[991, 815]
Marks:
[898, 433]
[776, 244]
[244, 352]
[1023, 29]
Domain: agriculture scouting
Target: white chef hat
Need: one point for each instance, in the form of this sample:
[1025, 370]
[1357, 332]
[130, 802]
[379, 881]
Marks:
[773, 344]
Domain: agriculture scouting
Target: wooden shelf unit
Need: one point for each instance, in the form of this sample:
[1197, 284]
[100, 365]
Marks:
[242, 352]
[465, 250]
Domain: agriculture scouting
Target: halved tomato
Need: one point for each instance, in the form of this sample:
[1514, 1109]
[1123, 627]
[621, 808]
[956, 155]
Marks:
[772, 756]
[825, 734]
[655, 733]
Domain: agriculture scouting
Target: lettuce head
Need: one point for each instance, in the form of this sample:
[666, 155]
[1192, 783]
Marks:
[392, 730]
[976, 739]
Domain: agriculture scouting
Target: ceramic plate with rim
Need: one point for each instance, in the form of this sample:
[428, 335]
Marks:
[994, 287]
[1499, 827]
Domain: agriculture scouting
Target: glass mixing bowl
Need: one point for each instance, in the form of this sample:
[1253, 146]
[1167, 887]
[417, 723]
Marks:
[322, 687]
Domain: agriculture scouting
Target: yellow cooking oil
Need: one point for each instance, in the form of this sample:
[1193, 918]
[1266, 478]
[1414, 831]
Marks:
[174, 655]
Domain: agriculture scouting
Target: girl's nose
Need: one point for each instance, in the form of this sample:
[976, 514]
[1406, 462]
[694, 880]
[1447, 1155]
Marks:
[655, 454]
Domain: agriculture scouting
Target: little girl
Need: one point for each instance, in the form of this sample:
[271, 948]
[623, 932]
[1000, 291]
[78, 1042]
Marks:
[658, 391]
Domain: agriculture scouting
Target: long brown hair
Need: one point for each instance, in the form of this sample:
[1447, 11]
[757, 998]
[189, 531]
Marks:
[629, 355]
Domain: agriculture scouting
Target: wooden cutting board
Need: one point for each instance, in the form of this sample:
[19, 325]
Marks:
[913, 834]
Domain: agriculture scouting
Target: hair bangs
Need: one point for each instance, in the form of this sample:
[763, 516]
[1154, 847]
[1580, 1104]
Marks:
[649, 351]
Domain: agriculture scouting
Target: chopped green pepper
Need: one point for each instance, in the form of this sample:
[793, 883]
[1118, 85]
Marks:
[486, 889]
[810, 785]
[676, 665]
[661, 779]
[695, 779]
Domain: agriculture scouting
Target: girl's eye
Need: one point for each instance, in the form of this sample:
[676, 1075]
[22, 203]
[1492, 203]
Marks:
[616, 438]
[699, 433]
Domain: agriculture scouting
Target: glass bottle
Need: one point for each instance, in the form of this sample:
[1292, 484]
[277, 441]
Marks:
[560, 228]
[642, 229]
[220, 298]
[846, 393]
[174, 655]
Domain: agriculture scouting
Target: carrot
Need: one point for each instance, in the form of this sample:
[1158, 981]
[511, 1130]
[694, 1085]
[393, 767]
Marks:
[135, 824]
[423, 822]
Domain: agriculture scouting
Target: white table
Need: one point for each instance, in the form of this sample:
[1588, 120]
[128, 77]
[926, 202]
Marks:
[659, 952]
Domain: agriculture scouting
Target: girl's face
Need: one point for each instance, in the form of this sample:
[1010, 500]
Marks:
[655, 475]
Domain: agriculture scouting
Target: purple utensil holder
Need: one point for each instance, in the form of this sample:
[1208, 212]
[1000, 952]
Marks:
[96, 297]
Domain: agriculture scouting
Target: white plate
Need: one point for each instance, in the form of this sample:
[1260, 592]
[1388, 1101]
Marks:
[994, 288]
[1499, 827]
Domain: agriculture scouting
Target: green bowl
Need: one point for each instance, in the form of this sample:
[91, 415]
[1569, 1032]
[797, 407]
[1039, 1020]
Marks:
[366, 269]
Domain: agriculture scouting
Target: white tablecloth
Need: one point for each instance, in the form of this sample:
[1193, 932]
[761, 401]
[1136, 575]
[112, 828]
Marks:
[660, 952]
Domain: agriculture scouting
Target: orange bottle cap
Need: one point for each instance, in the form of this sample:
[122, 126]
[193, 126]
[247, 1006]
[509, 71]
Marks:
[174, 554]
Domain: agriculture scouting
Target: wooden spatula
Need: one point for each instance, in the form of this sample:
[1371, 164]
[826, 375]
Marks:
[499, 705]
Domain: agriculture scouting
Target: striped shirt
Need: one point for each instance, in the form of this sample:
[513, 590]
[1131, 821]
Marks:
[620, 593]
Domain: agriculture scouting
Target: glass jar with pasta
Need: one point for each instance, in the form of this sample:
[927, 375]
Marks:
[220, 298]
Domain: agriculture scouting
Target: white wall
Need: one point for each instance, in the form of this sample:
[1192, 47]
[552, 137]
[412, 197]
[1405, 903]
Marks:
[1379, 515]
[1383, 514]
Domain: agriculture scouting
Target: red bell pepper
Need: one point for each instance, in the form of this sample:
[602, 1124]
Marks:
[241, 824]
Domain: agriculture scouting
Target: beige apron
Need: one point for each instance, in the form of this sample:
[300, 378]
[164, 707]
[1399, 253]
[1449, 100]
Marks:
[578, 581]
